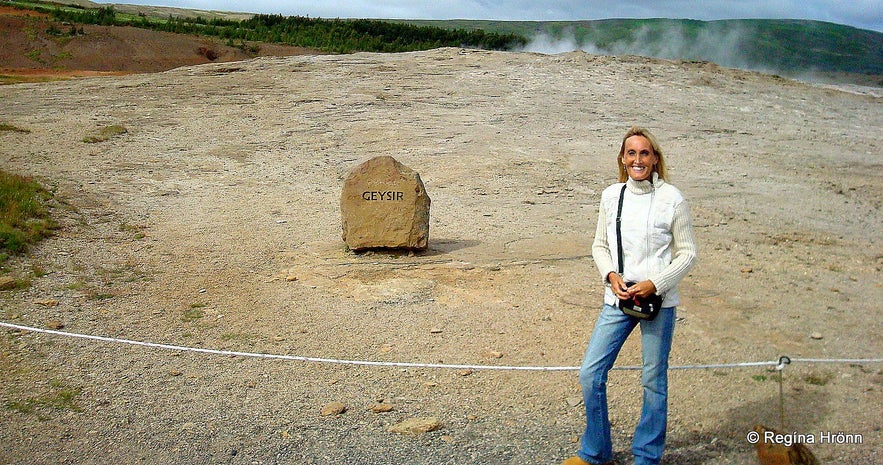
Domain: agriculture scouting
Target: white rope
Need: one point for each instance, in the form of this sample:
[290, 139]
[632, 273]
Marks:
[297, 358]
[838, 360]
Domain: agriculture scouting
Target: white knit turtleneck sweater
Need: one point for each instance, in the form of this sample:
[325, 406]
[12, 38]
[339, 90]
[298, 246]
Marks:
[657, 236]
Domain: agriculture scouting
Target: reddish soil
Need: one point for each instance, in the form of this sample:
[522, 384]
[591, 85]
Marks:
[30, 52]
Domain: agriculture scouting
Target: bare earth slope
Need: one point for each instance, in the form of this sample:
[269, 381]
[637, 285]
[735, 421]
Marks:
[29, 50]
[214, 223]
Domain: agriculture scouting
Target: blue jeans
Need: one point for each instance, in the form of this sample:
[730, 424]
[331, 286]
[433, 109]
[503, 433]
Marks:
[610, 333]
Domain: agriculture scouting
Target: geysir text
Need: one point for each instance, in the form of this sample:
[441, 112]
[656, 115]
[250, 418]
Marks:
[388, 195]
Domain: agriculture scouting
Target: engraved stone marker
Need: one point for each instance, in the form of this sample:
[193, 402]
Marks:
[384, 205]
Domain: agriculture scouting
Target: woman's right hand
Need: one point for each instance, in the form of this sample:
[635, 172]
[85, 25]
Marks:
[618, 286]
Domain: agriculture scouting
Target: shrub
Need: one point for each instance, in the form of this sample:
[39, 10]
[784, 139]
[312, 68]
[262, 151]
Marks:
[208, 52]
[24, 217]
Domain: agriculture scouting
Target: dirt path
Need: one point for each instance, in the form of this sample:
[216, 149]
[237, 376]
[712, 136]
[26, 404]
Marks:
[214, 222]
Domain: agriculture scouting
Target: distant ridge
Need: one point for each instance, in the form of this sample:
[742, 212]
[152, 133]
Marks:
[795, 48]
[778, 45]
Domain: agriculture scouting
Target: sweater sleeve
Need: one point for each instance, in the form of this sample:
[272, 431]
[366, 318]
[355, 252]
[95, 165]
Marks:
[601, 246]
[683, 254]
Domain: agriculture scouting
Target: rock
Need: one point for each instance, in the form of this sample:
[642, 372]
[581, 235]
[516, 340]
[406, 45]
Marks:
[333, 408]
[384, 205]
[381, 408]
[416, 426]
[7, 283]
[54, 324]
[816, 335]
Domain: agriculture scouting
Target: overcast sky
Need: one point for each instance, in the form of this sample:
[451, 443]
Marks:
[865, 14]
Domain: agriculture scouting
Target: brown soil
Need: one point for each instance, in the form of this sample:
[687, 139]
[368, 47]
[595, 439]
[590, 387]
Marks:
[213, 222]
[30, 53]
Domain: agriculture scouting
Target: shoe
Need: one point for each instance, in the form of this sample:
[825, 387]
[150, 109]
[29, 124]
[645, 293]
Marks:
[575, 460]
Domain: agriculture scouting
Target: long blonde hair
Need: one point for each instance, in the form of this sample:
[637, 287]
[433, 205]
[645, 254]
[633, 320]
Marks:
[660, 164]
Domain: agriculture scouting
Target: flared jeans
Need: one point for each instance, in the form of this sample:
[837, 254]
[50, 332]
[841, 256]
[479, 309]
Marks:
[608, 337]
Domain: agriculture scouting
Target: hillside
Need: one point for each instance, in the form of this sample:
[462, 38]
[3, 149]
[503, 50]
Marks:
[30, 52]
[808, 50]
[794, 48]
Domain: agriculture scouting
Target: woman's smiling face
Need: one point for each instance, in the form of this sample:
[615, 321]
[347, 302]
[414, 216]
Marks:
[639, 158]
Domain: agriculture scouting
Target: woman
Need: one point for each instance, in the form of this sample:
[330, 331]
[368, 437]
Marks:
[658, 251]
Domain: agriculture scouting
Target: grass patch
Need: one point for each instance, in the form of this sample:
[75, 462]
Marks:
[8, 79]
[60, 398]
[818, 379]
[75, 286]
[24, 216]
[105, 133]
[38, 270]
[193, 313]
[10, 128]
[16, 284]
[135, 230]
[100, 296]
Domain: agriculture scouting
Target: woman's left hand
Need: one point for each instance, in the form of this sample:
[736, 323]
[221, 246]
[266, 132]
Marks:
[642, 289]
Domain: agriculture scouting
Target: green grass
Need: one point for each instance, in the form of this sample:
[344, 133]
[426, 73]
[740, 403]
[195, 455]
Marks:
[101, 296]
[10, 128]
[75, 286]
[6, 79]
[105, 133]
[24, 215]
[193, 313]
[60, 397]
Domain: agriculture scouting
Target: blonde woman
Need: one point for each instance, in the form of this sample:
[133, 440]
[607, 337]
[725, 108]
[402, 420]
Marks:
[658, 250]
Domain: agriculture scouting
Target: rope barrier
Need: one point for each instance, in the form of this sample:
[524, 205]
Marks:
[779, 364]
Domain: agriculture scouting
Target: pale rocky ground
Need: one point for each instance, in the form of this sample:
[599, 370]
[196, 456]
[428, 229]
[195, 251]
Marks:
[191, 228]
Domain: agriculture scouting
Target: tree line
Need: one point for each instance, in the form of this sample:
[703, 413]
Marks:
[328, 35]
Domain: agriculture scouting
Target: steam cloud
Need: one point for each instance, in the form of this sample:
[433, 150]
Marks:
[719, 45]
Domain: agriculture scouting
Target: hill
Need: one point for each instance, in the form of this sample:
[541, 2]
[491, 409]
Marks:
[794, 48]
[32, 51]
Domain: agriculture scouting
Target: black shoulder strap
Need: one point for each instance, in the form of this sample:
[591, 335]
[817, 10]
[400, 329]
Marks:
[619, 229]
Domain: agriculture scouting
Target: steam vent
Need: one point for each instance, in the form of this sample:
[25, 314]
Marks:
[384, 205]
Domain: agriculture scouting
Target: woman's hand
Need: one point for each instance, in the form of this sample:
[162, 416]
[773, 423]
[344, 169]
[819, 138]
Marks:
[617, 285]
[641, 289]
